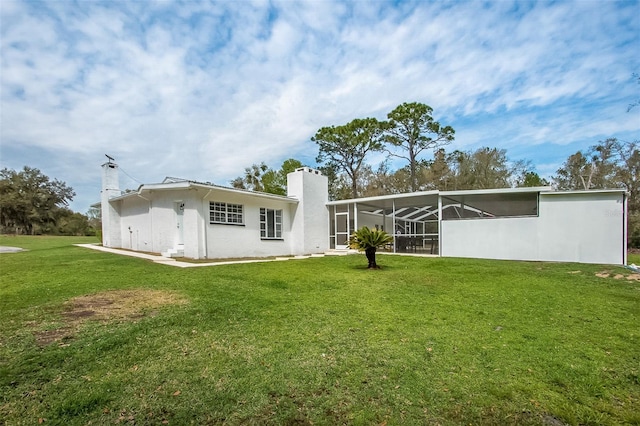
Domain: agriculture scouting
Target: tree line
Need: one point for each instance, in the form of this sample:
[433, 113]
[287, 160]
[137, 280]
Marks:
[31, 203]
[411, 132]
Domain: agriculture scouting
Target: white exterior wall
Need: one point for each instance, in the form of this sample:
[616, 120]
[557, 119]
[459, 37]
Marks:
[582, 227]
[199, 220]
[149, 222]
[163, 219]
[192, 226]
[135, 228]
[310, 218]
[230, 240]
[500, 238]
[578, 227]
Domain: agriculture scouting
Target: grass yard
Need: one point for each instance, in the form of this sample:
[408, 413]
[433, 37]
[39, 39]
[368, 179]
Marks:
[96, 338]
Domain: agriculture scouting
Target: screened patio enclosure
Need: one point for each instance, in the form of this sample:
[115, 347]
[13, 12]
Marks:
[412, 219]
[415, 219]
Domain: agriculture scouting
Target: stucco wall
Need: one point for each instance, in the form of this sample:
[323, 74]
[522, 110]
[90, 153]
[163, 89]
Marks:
[227, 240]
[310, 222]
[163, 218]
[577, 227]
[587, 228]
[135, 226]
[148, 222]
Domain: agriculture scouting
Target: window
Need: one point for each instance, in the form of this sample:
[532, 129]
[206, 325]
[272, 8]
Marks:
[225, 213]
[270, 224]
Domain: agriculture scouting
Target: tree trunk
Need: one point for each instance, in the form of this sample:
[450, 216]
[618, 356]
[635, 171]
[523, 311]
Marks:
[371, 257]
[412, 169]
[354, 187]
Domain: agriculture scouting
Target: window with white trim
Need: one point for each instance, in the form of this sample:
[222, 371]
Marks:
[225, 213]
[270, 224]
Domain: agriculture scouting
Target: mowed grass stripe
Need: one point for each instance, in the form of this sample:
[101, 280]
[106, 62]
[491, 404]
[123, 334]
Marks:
[322, 341]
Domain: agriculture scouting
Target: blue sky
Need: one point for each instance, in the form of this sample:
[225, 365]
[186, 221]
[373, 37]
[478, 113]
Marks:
[202, 90]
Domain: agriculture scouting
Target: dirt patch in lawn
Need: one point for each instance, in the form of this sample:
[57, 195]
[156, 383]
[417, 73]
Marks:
[108, 306]
[618, 276]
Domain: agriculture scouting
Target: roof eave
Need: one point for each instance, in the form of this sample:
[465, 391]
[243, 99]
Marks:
[174, 186]
[384, 197]
[589, 191]
[498, 191]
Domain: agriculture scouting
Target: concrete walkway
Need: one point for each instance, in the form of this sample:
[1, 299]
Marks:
[173, 262]
[6, 249]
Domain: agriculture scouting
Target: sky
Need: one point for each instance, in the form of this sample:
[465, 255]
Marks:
[202, 89]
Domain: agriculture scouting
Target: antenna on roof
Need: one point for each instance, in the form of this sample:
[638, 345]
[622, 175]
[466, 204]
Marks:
[111, 159]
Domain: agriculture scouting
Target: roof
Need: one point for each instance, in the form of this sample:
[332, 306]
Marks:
[173, 184]
[500, 191]
[547, 190]
[423, 205]
[589, 191]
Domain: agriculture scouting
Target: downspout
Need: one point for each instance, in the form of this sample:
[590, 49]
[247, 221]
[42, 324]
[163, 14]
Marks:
[393, 221]
[206, 226]
[329, 210]
[384, 219]
[625, 230]
[355, 217]
[439, 225]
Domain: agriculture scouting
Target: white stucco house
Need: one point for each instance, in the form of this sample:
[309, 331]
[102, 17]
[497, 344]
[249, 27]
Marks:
[197, 220]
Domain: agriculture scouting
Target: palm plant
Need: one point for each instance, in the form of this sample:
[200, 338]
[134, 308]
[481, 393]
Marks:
[368, 240]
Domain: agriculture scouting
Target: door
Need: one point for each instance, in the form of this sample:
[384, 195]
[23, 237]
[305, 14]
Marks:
[342, 230]
[179, 223]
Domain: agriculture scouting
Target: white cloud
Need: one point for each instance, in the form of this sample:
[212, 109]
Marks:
[202, 90]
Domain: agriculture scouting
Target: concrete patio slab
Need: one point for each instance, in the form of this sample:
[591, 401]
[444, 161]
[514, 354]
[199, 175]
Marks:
[7, 249]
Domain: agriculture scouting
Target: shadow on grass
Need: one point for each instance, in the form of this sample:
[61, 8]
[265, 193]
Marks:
[380, 268]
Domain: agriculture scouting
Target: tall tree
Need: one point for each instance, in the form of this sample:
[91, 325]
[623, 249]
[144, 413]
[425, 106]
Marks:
[608, 164]
[575, 173]
[595, 169]
[627, 173]
[29, 200]
[252, 178]
[437, 173]
[289, 165]
[628, 176]
[259, 177]
[72, 223]
[277, 182]
[529, 179]
[378, 181]
[481, 169]
[346, 147]
[339, 187]
[412, 129]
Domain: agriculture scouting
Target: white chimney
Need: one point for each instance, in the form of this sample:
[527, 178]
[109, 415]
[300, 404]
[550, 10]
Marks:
[111, 236]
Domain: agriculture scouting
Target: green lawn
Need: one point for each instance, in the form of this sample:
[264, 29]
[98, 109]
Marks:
[320, 341]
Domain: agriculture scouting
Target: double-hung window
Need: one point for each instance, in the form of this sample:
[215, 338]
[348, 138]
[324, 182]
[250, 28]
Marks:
[270, 224]
[225, 213]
